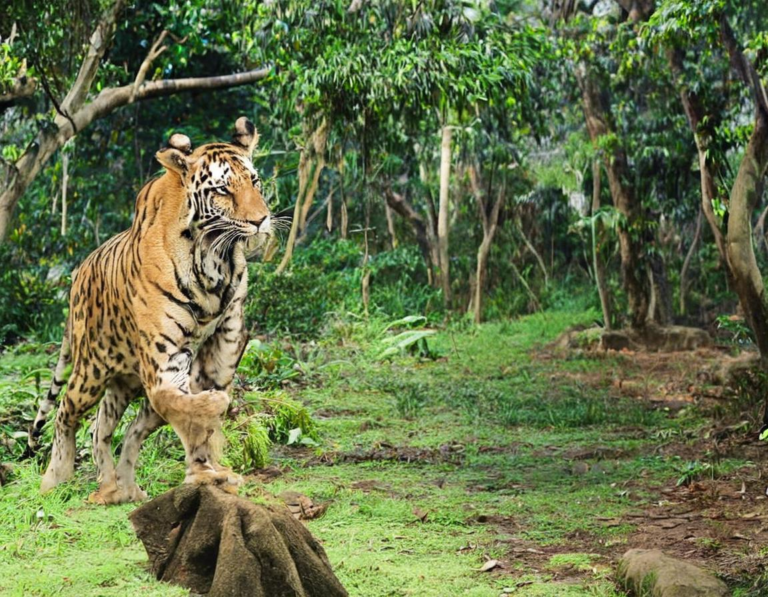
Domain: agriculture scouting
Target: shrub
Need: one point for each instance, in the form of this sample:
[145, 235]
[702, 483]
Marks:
[34, 305]
[326, 277]
[261, 419]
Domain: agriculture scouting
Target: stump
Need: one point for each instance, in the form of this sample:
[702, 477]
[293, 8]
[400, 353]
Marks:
[220, 544]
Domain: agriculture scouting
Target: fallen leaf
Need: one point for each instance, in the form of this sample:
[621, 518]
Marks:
[489, 565]
[422, 515]
[740, 536]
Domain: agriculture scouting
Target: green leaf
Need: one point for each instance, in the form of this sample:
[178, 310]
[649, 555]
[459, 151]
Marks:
[294, 435]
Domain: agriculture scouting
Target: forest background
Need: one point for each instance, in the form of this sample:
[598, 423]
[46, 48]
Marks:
[444, 158]
[480, 192]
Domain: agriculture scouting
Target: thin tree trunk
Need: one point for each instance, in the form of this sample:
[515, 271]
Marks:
[521, 279]
[687, 262]
[529, 245]
[313, 216]
[344, 219]
[745, 192]
[311, 164]
[490, 223]
[480, 271]
[390, 225]
[597, 232]
[699, 122]
[64, 184]
[472, 291]
[661, 294]
[426, 241]
[309, 196]
[366, 280]
[329, 213]
[443, 212]
[759, 232]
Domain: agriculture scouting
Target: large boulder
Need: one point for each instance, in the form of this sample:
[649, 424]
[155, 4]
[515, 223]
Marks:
[219, 544]
[652, 573]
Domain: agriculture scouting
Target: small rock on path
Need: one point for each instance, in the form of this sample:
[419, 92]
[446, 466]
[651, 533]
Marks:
[652, 573]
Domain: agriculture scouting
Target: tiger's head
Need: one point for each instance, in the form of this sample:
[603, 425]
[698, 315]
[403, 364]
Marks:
[224, 191]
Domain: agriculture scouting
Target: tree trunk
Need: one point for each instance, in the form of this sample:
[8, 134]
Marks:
[482, 266]
[344, 219]
[745, 192]
[424, 238]
[390, 225]
[631, 243]
[316, 146]
[442, 216]
[529, 245]
[759, 231]
[687, 262]
[661, 294]
[329, 214]
[490, 223]
[597, 232]
[311, 164]
[747, 279]
[697, 116]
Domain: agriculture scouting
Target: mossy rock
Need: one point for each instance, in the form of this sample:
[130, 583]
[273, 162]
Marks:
[652, 573]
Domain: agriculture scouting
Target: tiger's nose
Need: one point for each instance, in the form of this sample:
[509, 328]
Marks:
[262, 224]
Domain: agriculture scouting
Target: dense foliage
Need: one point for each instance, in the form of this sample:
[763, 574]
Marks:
[356, 103]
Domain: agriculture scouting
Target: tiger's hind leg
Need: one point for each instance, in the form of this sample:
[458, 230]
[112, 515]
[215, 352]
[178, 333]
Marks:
[146, 422]
[83, 391]
[49, 403]
[121, 390]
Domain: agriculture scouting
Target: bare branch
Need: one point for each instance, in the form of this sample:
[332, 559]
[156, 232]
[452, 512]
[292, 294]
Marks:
[99, 42]
[113, 98]
[154, 52]
[743, 66]
[21, 88]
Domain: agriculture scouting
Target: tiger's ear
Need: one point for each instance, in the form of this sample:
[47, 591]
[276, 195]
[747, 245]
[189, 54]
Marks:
[246, 135]
[181, 142]
[174, 157]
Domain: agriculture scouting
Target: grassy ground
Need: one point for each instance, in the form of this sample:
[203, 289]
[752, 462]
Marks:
[550, 464]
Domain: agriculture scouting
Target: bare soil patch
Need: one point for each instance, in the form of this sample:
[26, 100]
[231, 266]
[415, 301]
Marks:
[452, 453]
[721, 522]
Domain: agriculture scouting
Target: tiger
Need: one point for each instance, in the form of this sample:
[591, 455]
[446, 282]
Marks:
[157, 311]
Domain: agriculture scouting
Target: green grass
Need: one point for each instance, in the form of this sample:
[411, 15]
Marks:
[508, 418]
